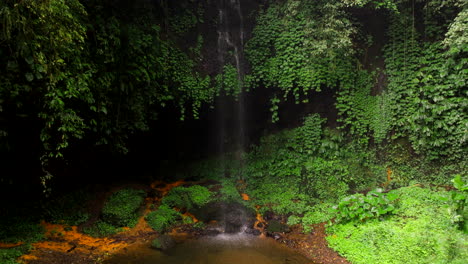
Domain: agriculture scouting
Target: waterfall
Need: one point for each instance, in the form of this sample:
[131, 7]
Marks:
[230, 50]
[231, 39]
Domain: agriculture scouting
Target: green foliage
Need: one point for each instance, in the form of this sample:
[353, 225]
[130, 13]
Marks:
[365, 115]
[69, 209]
[229, 192]
[293, 220]
[459, 201]
[298, 47]
[15, 229]
[425, 80]
[156, 243]
[10, 255]
[228, 81]
[187, 197]
[163, 218]
[319, 213]
[419, 231]
[359, 207]
[101, 229]
[308, 136]
[81, 73]
[326, 180]
[121, 208]
[20, 229]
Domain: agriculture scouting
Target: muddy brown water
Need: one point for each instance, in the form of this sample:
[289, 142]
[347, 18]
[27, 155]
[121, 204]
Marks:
[225, 249]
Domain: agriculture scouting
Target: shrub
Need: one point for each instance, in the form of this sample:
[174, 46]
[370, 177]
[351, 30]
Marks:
[419, 231]
[187, 197]
[326, 180]
[69, 209]
[459, 201]
[16, 229]
[360, 207]
[293, 220]
[320, 213]
[101, 229]
[163, 218]
[122, 206]
[10, 255]
[229, 192]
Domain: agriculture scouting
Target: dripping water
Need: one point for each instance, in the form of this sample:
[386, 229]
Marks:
[230, 49]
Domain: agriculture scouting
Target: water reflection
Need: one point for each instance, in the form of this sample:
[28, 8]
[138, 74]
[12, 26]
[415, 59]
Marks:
[225, 249]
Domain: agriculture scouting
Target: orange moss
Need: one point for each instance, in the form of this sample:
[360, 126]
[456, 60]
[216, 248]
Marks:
[389, 174]
[10, 245]
[167, 186]
[245, 196]
[29, 257]
[68, 237]
[259, 221]
[191, 216]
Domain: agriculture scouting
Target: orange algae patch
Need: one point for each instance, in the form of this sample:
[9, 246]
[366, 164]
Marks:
[389, 177]
[68, 238]
[191, 216]
[260, 223]
[167, 186]
[10, 245]
[29, 257]
[389, 174]
[245, 196]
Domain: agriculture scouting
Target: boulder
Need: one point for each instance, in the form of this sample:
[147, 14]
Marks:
[163, 242]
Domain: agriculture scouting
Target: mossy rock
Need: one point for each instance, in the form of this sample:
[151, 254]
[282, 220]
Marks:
[275, 226]
[121, 209]
[231, 215]
[163, 242]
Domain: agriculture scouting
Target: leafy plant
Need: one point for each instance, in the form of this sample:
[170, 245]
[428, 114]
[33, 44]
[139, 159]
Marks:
[459, 201]
[121, 208]
[69, 209]
[319, 213]
[187, 197]
[163, 218]
[101, 229]
[419, 231]
[363, 207]
[10, 255]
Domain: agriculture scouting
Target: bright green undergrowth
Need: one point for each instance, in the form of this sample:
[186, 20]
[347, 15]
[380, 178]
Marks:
[18, 229]
[120, 210]
[9, 256]
[187, 197]
[69, 209]
[421, 230]
[101, 229]
[163, 218]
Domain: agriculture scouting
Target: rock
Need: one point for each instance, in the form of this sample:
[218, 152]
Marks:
[163, 242]
[231, 216]
[276, 236]
[268, 215]
[210, 232]
[276, 226]
[252, 231]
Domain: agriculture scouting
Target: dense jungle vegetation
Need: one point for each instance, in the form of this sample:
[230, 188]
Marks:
[355, 115]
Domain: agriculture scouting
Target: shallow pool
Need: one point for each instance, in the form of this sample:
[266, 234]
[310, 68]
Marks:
[221, 249]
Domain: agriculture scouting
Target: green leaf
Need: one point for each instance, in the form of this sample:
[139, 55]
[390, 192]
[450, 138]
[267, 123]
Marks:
[29, 76]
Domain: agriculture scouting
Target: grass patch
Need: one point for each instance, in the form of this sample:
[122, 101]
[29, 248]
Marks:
[420, 231]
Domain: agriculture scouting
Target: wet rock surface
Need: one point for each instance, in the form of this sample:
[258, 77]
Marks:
[232, 217]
